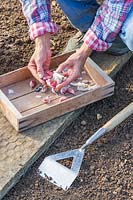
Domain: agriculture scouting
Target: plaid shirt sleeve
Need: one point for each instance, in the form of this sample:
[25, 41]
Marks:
[107, 24]
[38, 15]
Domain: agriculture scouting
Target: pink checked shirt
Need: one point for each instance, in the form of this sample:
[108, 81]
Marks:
[106, 25]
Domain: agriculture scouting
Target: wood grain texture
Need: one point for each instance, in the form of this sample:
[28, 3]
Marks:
[97, 74]
[43, 115]
[8, 109]
[19, 88]
[14, 76]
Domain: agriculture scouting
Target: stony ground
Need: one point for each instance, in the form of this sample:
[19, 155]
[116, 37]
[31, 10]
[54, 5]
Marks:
[106, 172]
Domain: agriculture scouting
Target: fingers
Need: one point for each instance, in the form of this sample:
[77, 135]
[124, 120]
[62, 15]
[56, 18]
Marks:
[72, 73]
[63, 66]
[42, 61]
[46, 61]
[33, 69]
[71, 78]
[40, 69]
[60, 69]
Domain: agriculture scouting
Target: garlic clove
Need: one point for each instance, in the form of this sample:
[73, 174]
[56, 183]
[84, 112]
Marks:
[47, 100]
[62, 99]
[32, 84]
[71, 91]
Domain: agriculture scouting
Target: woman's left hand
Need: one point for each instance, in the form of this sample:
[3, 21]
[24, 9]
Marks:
[74, 65]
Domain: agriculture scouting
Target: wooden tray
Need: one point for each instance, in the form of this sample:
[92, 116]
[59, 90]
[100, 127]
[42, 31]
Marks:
[24, 110]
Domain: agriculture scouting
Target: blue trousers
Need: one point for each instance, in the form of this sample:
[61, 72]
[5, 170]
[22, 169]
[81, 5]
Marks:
[81, 14]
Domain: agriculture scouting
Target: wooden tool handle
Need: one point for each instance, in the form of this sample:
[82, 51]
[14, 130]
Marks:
[117, 119]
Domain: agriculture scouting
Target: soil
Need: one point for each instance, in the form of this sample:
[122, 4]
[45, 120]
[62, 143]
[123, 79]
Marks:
[16, 47]
[106, 170]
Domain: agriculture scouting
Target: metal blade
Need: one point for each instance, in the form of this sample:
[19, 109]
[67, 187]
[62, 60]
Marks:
[58, 174]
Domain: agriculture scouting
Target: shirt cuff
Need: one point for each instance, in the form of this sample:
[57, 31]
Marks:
[40, 28]
[94, 42]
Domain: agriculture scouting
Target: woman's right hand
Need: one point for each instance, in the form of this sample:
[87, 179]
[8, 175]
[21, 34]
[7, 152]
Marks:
[41, 57]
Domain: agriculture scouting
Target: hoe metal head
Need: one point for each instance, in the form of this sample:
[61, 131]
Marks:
[59, 174]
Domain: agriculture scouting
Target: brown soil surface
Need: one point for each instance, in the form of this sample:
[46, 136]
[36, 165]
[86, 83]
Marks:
[16, 47]
[106, 170]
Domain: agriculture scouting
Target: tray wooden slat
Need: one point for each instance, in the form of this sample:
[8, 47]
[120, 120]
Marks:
[20, 88]
[40, 115]
[31, 100]
[55, 101]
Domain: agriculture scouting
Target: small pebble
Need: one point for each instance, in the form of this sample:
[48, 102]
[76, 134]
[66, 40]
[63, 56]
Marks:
[83, 122]
[118, 189]
[125, 161]
[105, 179]
[127, 136]
[99, 116]
[114, 192]
[121, 164]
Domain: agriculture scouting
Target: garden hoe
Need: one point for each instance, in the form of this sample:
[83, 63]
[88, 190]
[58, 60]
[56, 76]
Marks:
[62, 176]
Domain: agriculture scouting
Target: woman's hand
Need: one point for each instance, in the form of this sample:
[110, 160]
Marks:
[74, 65]
[41, 57]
